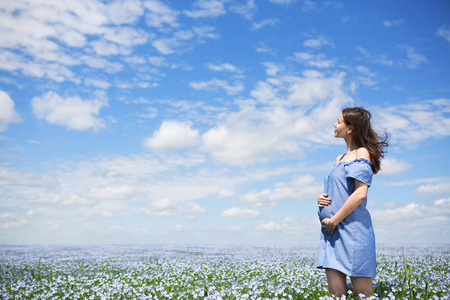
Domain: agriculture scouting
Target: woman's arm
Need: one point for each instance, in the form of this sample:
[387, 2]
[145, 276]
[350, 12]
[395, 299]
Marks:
[350, 205]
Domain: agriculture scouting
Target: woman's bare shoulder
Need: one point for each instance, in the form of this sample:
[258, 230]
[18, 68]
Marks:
[339, 158]
[363, 153]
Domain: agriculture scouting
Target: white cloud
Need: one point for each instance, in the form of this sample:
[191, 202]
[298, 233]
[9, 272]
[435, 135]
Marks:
[265, 92]
[13, 224]
[173, 135]
[182, 41]
[225, 193]
[124, 11]
[309, 90]
[10, 61]
[37, 37]
[334, 4]
[282, 118]
[269, 226]
[397, 221]
[142, 177]
[246, 10]
[158, 61]
[98, 83]
[273, 69]
[283, 2]
[392, 166]
[417, 181]
[184, 35]
[260, 200]
[215, 84]
[169, 207]
[237, 212]
[206, 9]
[364, 70]
[318, 60]
[391, 23]
[9, 177]
[111, 192]
[128, 231]
[414, 122]
[293, 91]
[414, 59]
[125, 38]
[178, 228]
[223, 67]
[235, 228]
[71, 112]
[7, 113]
[312, 74]
[101, 63]
[205, 32]
[289, 226]
[263, 23]
[299, 189]
[308, 6]
[383, 61]
[70, 200]
[365, 76]
[376, 58]
[318, 42]
[166, 45]
[279, 126]
[439, 188]
[121, 187]
[158, 14]
[444, 32]
[41, 34]
[264, 48]
[239, 144]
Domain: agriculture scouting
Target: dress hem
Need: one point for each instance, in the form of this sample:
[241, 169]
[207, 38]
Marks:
[345, 272]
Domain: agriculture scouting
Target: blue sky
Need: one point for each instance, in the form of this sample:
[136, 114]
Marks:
[211, 121]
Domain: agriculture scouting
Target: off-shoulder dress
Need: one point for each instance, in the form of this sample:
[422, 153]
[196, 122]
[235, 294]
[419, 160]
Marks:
[351, 248]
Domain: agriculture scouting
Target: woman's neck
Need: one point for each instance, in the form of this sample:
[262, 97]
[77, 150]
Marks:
[350, 145]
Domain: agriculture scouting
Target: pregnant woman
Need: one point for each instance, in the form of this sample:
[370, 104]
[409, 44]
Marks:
[347, 241]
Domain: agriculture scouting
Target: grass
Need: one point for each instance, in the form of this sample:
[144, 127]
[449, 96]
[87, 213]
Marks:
[209, 272]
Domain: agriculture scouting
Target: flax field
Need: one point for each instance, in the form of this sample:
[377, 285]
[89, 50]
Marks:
[209, 272]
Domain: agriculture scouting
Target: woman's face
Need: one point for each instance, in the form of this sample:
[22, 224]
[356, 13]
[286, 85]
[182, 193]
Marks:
[341, 129]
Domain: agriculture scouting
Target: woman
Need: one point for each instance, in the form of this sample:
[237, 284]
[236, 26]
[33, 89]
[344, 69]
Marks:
[347, 241]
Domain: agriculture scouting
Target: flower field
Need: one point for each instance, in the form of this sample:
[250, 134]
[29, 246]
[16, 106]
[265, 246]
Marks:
[209, 272]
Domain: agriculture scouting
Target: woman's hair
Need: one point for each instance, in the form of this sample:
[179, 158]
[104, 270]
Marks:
[364, 135]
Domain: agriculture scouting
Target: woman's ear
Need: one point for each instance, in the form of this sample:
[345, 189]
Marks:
[350, 129]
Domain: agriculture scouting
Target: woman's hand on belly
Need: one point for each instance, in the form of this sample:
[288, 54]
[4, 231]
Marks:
[322, 200]
[328, 225]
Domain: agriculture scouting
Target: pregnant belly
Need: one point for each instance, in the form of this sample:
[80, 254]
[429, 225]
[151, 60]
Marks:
[326, 212]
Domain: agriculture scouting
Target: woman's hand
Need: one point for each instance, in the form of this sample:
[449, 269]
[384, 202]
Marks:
[322, 200]
[328, 225]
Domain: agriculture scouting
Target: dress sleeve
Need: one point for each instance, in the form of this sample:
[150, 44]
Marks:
[360, 169]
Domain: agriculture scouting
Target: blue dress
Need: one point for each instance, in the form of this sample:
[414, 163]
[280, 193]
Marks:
[351, 248]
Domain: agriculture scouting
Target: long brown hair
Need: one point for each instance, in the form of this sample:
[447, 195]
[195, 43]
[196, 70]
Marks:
[364, 135]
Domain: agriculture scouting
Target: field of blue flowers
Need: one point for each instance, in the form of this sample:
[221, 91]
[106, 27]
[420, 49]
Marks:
[209, 272]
